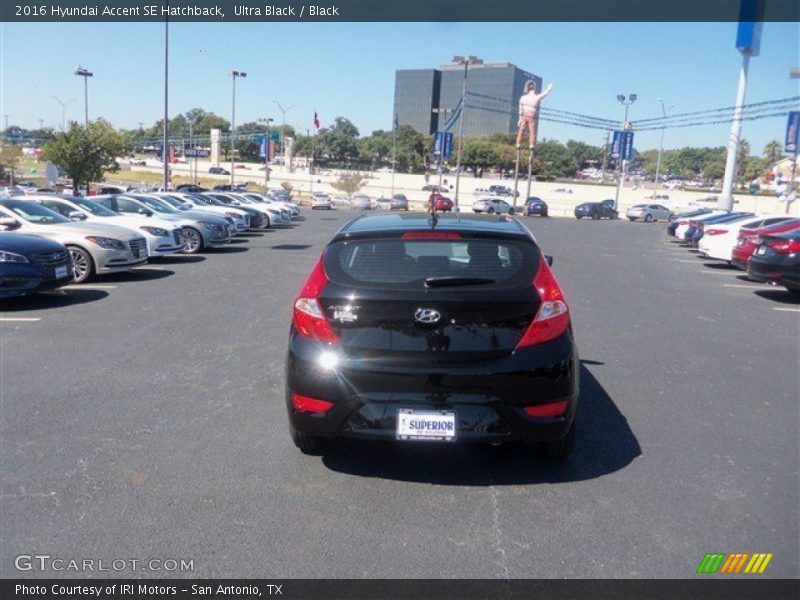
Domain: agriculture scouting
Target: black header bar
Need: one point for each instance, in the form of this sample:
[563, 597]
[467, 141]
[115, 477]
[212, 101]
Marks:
[334, 11]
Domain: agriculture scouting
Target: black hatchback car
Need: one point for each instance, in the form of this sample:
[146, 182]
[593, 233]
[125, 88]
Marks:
[448, 330]
[30, 264]
[596, 210]
[777, 260]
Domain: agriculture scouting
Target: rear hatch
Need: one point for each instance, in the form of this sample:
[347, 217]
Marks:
[434, 297]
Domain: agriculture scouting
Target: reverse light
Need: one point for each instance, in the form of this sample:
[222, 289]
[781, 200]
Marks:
[543, 411]
[310, 405]
[309, 319]
[552, 318]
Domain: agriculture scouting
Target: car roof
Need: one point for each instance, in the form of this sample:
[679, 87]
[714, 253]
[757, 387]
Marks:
[370, 225]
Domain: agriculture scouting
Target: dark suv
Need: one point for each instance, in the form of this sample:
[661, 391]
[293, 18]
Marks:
[440, 330]
[596, 210]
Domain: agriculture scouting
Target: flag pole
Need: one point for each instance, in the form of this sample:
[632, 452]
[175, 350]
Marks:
[394, 150]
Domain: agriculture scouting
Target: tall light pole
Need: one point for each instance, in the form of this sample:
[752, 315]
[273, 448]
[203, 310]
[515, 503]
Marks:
[165, 149]
[466, 61]
[234, 75]
[191, 122]
[444, 112]
[626, 102]
[85, 73]
[267, 122]
[283, 120]
[63, 104]
[661, 146]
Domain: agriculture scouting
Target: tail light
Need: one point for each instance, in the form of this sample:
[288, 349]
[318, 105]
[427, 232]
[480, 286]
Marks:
[543, 411]
[309, 319]
[552, 318]
[716, 231]
[785, 246]
[310, 405]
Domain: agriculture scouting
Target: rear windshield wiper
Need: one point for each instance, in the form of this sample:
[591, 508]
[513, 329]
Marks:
[456, 280]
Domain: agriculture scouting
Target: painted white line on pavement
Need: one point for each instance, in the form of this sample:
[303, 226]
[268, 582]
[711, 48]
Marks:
[787, 309]
[745, 286]
[719, 272]
[149, 268]
[19, 319]
[694, 262]
[90, 286]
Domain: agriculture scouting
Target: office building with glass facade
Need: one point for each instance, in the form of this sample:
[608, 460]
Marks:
[493, 93]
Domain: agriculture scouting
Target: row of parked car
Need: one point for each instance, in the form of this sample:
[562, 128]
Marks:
[766, 246]
[49, 240]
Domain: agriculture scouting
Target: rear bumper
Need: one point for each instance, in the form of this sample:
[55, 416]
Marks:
[785, 272]
[487, 397]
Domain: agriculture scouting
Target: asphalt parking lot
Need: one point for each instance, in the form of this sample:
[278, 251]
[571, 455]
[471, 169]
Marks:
[143, 416]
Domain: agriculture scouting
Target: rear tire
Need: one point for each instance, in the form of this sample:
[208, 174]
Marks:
[562, 448]
[308, 444]
[595, 217]
[631, 219]
[648, 218]
[490, 211]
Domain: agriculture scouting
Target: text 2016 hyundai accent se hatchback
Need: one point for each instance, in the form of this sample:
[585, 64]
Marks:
[454, 330]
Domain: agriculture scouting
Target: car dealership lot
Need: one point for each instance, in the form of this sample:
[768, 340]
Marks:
[143, 415]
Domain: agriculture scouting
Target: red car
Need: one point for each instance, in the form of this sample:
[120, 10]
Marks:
[747, 242]
[440, 203]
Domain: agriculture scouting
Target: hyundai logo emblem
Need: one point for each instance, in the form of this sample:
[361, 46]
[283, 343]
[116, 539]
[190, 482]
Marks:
[427, 316]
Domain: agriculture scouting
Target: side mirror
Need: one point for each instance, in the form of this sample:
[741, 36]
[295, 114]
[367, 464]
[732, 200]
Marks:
[145, 212]
[549, 259]
[76, 215]
[236, 203]
[9, 224]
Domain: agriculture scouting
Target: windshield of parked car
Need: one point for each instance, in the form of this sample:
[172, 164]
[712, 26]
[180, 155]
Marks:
[33, 213]
[95, 208]
[156, 204]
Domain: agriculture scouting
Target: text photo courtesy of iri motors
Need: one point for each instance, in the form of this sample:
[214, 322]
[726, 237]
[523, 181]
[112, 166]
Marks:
[400, 300]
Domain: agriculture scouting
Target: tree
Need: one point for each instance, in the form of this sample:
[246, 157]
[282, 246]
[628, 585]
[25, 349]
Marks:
[349, 183]
[478, 154]
[773, 151]
[339, 141]
[211, 121]
[9, 157]
[377, 147]
[86, 153]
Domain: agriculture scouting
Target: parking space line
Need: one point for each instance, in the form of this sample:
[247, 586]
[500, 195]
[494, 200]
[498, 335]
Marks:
[89, 286]
[719, 272]
[151, 268]
[786, 309]
[19, 319]
[745, 286]
[682, 260]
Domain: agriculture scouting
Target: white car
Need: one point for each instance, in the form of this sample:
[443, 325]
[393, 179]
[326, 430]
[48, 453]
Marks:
[95, 248]
[491, 206]
[287, 210]
[241, 220]
[683, 224]
[321, 200]
[163, 238]
[342, 201]
[275, 215]
[719, 240]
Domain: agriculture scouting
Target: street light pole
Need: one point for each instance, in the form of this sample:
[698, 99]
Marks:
[234, 75]
[440, 161]
[466, 61]
[661, 146]
[85, 73]
[626, 102]
[725, 201]
[165, 147]
[394, 150]
[283, 122]
[63, 111]
[267, 121]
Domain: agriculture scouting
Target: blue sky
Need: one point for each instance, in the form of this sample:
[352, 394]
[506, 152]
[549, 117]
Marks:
[348, 69]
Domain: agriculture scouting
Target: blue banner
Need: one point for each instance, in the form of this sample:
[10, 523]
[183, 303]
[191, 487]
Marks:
[616, 145]
[792, 132]
[264, 147]
[627, 145]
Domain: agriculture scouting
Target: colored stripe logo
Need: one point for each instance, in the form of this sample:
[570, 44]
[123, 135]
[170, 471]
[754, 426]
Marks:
[733, 563]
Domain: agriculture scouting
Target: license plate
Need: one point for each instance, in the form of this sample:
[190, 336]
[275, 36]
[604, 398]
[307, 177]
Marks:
[431, 426]
[61, 272]
[762, 250]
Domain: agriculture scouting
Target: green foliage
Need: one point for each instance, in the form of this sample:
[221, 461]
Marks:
[86, 154]
[338, 142]
[349, 183]
[10, 154]
[773, 151]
